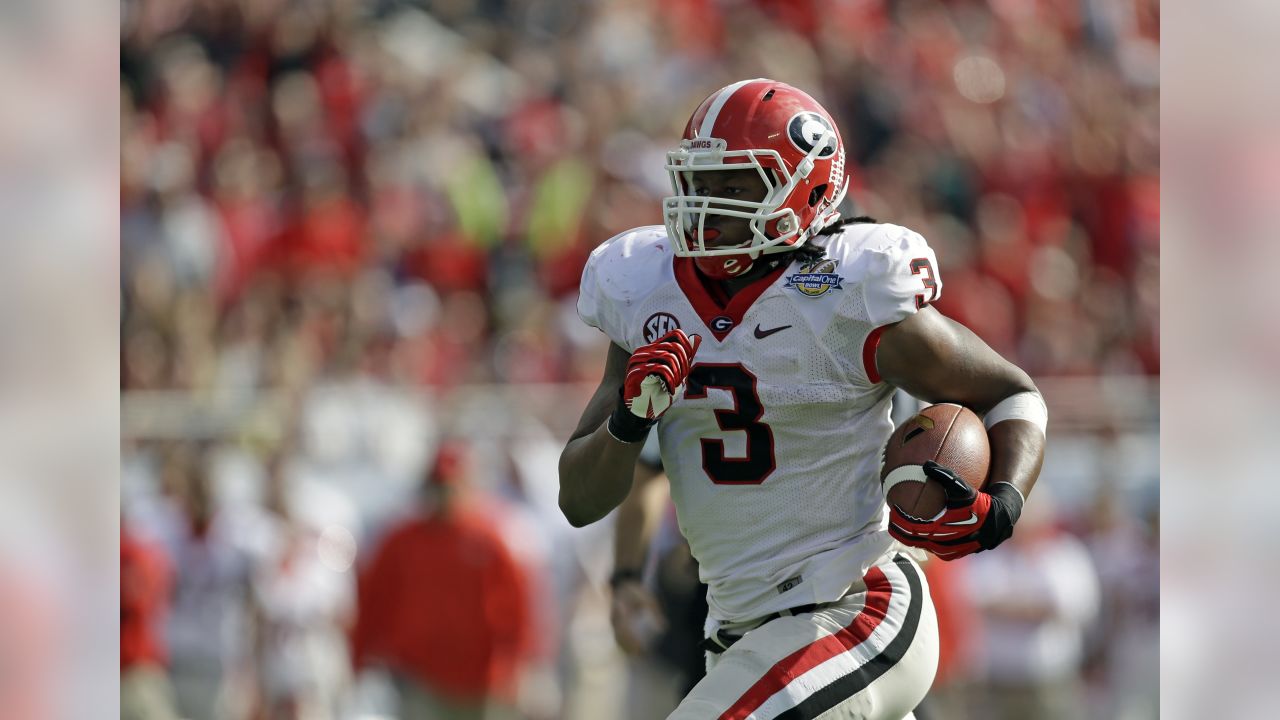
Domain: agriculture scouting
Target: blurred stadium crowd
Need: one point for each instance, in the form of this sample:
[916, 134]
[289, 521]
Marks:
[351, 234]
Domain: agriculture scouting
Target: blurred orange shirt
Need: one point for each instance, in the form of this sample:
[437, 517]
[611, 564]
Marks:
[959, 623]
[144, 599]
[442, 601]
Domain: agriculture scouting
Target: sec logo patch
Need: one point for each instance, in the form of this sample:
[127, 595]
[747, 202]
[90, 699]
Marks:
[659, 324]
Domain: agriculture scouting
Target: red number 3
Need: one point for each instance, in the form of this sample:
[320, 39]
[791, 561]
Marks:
[922, 266]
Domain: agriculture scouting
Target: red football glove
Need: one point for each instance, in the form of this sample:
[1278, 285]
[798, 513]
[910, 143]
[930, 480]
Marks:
[972, 521]
[655, 375]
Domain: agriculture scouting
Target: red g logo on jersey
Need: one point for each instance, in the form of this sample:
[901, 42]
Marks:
[659, 324]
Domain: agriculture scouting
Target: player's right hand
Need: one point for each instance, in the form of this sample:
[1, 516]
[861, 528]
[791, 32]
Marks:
[656, 373]
[971, 522]
[655, 376]
[636, 617]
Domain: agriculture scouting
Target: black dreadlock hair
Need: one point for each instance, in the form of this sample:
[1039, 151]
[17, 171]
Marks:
[814, 251]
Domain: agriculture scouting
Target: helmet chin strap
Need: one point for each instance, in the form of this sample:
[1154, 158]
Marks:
[728, 267]
[725, 267]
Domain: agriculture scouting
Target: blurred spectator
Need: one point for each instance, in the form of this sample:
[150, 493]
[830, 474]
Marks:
[303, 592]
[658, 605]
[959, 639]
[683, 598]
[209, 624]
[669, 662]
[444, 606]
[1125, 642]
[1038, 598]
[145, 583]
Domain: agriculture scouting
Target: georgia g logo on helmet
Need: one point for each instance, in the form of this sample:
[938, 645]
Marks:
[807, 128]
[789, 140]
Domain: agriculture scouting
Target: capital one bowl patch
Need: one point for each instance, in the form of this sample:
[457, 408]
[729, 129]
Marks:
[816, 279]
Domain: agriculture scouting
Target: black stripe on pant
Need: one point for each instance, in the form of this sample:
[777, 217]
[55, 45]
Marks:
[857, 681]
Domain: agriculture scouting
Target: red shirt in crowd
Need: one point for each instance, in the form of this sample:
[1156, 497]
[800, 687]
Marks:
[443, 602]
[959, 624]
[144, 598]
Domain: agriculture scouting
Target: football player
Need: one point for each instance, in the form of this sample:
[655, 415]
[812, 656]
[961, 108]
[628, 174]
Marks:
[763, 336]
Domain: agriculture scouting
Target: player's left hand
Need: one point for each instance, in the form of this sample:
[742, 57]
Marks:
[972, 521]
[636, 616]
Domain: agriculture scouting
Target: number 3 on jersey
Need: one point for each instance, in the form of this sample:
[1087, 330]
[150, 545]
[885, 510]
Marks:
[924, 268]
[759, 462]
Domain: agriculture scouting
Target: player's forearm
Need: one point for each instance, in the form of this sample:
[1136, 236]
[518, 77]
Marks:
[595, 475]
[638, 517]
[1017, 452]
[1016, 428]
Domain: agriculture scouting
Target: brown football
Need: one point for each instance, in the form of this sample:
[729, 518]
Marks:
[948, 434]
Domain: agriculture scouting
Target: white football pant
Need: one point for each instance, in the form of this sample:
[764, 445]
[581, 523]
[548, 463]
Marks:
[871, 655]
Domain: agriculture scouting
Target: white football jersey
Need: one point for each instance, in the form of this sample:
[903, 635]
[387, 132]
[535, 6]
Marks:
[773, 452]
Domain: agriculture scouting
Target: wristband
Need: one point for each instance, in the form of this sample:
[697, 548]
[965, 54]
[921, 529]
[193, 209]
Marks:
[1006, 508]
[622, 575]
[1010, 497]
[1027, 406]
[627, 427]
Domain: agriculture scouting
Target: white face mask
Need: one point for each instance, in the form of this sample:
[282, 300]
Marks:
[685, 214]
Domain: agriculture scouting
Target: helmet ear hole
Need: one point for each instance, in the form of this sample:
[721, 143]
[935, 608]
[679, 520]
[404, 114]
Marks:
[816, 194]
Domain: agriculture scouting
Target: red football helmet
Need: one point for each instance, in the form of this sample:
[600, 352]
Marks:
[789, 139]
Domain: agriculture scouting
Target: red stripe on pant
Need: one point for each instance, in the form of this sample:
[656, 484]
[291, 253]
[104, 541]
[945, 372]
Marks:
[879, 590]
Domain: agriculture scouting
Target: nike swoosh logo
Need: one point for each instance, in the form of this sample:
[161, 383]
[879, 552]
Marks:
[762, 334]
[973, 520]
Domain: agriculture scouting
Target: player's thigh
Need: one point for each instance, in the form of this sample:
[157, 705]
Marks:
[873, 655]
